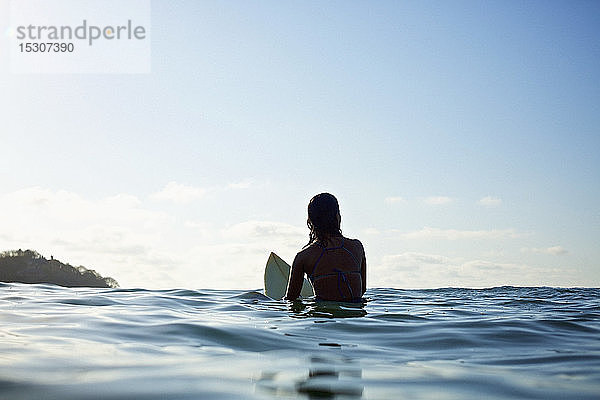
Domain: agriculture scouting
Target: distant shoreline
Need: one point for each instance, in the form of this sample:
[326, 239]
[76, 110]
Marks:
[29, 266]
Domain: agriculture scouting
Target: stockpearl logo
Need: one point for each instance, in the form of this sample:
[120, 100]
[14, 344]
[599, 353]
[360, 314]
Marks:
[80, 36]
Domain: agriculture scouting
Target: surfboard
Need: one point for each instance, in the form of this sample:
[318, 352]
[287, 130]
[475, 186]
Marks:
[277, 274]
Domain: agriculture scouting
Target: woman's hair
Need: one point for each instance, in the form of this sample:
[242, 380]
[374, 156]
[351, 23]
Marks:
[322, 219]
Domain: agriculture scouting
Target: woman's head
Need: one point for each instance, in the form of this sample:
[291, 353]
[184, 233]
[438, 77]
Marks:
[323, 218]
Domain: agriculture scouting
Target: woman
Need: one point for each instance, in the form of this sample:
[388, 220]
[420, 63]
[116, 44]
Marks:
[335, 265]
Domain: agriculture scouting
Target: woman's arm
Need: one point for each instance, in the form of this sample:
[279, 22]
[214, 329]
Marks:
[363, 271]
[296, 280]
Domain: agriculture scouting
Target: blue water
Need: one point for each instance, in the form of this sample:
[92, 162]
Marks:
[501, 343]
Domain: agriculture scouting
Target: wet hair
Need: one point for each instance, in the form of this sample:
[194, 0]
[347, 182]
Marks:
[322, 219]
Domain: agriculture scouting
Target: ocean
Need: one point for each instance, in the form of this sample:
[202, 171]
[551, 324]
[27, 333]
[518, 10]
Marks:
[499, 343]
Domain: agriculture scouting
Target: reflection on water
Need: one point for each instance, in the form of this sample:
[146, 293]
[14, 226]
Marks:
[502, 343]
[322, 377]
[327, 379]
[310, 308]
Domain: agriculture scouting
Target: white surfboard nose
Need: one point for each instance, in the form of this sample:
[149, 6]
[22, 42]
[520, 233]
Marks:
[277, 274]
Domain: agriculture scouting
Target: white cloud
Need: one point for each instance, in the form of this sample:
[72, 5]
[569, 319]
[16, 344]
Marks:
[393, 200]
[184, 194]
[264, 229]
[456, 234]
[200, 229]
[115, 235]
[68, 209]
[438, 200]
[372, 231]
[240, 185]
[419, 270]
[556, 250]
[489, 201]
[553, 250]
[410, 260]
[179, 193]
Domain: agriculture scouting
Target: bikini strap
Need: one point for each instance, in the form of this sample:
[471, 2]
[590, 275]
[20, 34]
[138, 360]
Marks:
[341, 275]
[312, 273]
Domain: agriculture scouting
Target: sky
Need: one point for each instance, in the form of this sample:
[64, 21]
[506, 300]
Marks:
[462, 140]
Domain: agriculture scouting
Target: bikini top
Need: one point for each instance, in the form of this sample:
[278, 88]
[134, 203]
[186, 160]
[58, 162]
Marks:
[341, 275]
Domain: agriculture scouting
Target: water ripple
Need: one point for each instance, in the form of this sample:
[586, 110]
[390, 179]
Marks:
[454, 343]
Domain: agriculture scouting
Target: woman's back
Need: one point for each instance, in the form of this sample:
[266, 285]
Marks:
[337, 272]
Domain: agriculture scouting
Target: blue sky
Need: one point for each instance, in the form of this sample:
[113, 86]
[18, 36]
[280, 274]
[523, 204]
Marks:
[461, 138]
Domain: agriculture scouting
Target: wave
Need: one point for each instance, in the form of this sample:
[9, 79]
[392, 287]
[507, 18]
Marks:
[183, 343]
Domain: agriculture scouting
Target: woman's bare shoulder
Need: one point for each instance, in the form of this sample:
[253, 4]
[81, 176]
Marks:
[355, 242]
[306, 252]
[306, 257]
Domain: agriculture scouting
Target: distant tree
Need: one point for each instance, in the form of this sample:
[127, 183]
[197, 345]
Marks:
[29, 266]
